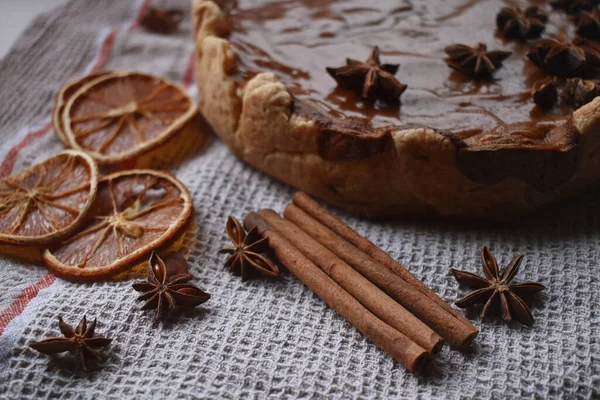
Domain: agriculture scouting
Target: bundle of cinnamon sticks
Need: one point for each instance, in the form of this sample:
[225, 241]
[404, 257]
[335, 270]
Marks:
[366, 286]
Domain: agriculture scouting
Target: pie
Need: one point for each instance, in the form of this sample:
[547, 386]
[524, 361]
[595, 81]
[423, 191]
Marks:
[491, 114]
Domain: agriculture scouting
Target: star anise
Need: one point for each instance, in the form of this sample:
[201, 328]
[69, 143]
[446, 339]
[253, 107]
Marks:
[588, 24]
[591, 48]
[245, 255]
[545, 93]
[558, 55]
[574, 6]
[167, 285]
[80, 339]
[162, 21]
[371, 79]
[516, 23]
[496, 287]
[476, 62]
[579, 92]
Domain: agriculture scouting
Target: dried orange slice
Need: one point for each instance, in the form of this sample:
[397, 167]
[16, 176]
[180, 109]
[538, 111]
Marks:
[186, 144]
[135, 213]
[62, 97]
[48, 201]
[122, 115]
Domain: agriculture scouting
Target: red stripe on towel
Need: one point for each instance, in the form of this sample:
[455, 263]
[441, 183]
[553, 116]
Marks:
[19, 304]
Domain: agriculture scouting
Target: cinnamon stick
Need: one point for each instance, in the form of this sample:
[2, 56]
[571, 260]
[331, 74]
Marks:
[445, 324]
[369, 295]
[319, 213]
[394, 343]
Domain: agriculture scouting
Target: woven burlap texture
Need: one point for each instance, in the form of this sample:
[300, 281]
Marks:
[273, 337]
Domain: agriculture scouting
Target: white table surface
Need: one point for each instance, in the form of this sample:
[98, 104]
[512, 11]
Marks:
[16, 14]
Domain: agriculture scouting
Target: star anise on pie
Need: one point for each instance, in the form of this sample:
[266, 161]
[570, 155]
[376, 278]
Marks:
[167, 287]
[477, 61]
[162, 21]
[591, 48]
[496, 288]
[245, 255]
[574, 6]
[558, 55]
[80, 339]
[516, 23]
[588, 24]
[371, 79]
[545, 93]
[579, 91]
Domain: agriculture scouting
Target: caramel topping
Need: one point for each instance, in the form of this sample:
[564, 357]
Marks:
[297, 40]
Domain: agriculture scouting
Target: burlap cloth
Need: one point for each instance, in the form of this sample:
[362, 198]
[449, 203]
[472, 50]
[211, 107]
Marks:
[271, 337]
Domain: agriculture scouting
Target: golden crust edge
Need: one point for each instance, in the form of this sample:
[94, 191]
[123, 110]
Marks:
[418, 176]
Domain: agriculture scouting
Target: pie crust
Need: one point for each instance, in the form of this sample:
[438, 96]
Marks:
[413, 171]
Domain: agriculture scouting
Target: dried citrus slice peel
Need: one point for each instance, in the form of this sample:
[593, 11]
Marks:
[48, 201]
[122, 115]
[62, 97]
[135, 213]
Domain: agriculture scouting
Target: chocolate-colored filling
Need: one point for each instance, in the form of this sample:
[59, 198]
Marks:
[298, 39]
